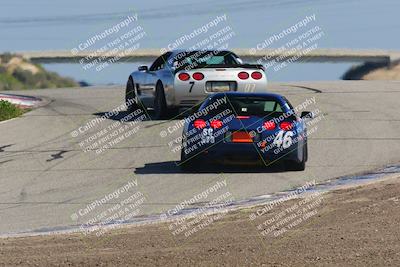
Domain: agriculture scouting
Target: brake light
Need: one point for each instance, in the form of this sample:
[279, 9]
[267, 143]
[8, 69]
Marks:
[199, 124]
[269, 125]
[216, 124]
[198, 76]
[243, 75]
[183, 76]
[242, 117]
[256, 75]
[286, 125]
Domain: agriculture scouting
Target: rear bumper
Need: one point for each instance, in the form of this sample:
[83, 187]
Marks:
[245, 153]
[185, 96]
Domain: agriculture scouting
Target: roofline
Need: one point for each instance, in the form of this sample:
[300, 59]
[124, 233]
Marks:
[248, 94]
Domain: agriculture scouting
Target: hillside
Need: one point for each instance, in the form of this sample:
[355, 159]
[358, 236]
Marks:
[17, 73]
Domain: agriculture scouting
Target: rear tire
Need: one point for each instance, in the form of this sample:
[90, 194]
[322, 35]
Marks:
[173, 112]
[188, 165]
[298, 166]
[160, 104]
[130, 96]
[306, 151]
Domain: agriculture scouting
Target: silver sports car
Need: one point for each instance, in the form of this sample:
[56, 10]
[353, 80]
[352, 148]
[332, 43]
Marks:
[181, 79]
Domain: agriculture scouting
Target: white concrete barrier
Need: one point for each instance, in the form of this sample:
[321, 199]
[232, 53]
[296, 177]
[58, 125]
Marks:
[22, 101]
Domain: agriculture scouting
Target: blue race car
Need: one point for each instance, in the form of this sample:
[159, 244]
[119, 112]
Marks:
[234, 127]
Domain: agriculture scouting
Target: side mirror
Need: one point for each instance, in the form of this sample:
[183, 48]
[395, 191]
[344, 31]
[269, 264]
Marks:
[307, 115]
[143, 68]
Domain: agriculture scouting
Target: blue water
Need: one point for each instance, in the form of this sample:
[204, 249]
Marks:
[118, 73]
[62, 25]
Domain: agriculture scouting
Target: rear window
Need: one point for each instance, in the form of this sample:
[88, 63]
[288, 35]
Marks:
[246, 106]
[255, 105]
[195, 59]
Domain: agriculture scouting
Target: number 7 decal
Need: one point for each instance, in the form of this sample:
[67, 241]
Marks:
[191, 87]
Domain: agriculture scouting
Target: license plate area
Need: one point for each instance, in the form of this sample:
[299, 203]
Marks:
[221, 86]
[241, 137]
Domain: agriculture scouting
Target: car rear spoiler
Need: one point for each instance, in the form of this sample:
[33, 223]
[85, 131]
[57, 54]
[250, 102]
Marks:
[224, 66]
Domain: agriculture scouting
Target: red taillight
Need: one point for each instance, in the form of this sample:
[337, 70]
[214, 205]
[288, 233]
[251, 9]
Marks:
[243, 75]
[269, 125]
[256, 75]
[242, 117]
[216, 124]
[285, 125]
[199, 124]
[198, 76]
[183, 76]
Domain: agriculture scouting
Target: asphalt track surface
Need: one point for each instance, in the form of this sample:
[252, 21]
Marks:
[45, 176]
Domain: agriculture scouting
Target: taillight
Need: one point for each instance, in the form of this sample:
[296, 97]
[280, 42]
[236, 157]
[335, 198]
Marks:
[242, 117]
[199, 124]
[243, 75]
[183, 76]
[256, 75]
[285, 125]
[198, 76]
[269, 125]
[216, 124]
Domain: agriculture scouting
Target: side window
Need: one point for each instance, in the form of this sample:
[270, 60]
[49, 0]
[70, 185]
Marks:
[271, 106]
[288, 104]
[278, 107]
[229, 59]
[160, 62]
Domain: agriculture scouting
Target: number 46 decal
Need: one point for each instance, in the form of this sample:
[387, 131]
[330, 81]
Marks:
[284, 139]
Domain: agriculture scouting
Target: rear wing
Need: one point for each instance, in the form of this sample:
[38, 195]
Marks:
[222, 66]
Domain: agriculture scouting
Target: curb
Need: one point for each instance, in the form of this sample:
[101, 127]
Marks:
[23, 101]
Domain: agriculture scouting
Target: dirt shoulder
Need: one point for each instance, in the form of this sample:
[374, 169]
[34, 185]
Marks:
[385, 73]
[357, 226]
